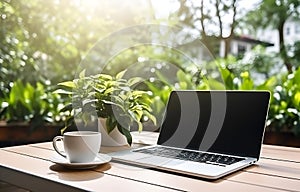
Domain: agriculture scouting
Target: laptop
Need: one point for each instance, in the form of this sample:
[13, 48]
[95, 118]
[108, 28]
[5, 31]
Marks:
[207, 134]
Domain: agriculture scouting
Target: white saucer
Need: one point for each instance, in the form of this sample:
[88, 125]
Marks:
[100, 159]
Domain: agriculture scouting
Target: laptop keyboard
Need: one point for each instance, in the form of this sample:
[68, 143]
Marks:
[201, 157]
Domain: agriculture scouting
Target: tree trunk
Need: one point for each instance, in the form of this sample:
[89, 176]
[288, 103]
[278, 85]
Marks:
[282, 49]
[227, 46]
[205, 40]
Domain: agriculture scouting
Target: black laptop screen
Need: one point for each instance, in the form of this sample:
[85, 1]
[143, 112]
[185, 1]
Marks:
[229, 122]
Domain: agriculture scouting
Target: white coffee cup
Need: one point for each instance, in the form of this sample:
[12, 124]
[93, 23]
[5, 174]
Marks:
[79, 146]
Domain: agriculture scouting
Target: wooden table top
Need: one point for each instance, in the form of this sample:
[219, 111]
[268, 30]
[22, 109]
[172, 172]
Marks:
[29, 167]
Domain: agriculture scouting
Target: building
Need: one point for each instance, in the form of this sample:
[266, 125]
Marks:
[239, 45]
[291, 34]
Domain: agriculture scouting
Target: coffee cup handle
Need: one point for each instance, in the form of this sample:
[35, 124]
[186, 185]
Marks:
[55, 139]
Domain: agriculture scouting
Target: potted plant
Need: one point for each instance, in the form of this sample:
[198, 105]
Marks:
[112, 99]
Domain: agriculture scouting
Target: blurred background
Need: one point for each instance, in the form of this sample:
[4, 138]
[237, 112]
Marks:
[253, 45]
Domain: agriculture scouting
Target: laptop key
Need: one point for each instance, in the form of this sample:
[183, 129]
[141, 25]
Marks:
[214, 158]
[183, 155]
[197, 157]
[229, 160]
[192, 156]
[205, 157]
[200, 157]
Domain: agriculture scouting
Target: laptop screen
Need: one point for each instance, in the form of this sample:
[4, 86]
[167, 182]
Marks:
[228, 122]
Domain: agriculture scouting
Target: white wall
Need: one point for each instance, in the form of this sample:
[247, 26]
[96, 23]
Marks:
[291, 35]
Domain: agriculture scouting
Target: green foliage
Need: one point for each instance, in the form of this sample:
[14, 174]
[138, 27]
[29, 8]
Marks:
[43, 42]
[274, 14]
[31, 103]
[111, 97]
[294, 50]
[285, 107]
[284, 113]
[260, 62]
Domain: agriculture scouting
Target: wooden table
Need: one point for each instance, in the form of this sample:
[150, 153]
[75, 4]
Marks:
[29, 167]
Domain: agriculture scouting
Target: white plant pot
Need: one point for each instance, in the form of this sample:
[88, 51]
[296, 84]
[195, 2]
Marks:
[113, 139]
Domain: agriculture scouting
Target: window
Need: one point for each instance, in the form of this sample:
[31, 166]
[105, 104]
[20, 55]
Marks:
[297, 29]
[241, 49]
[288, 30]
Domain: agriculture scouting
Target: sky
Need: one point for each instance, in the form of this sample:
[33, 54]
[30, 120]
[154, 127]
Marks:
[164, 7]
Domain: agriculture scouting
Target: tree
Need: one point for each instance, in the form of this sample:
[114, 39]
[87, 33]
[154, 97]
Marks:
[209, 18]
[294, 52]
[46, 40]
[43, 42]
[274, 14]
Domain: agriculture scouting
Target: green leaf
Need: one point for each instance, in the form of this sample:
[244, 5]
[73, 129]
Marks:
[135, 80]
[138, 93]
[247, 82]
[62, 91]
[146, 107]
[268, 84]
[283, 104]
[136, 115]
[99, 88]
[151, 117]
[126, 133]
[227, 78]
[140, 126]
[109, 90]
[120, 74]
[82, 74]
[297, 99]
[67, 107]
[162, 78]
[68, 123]
[117, 99]
[70, 84]
[185, 80]
[297, 76]
[214, 84]
[110, 123]
[105, 77]
[111, 103]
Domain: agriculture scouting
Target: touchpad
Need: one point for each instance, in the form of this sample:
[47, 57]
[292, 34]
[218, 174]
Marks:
[155, 160]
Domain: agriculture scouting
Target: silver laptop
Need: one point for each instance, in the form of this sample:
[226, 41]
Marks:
[207, 134]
